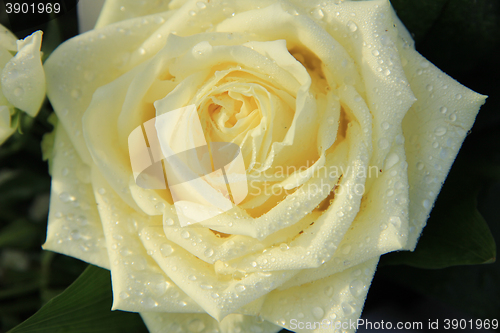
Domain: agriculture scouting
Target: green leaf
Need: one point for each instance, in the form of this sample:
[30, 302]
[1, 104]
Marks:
[83, 307]
[457, 236]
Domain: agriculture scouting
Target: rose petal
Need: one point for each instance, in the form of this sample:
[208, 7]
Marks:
[218, 297]
[23, 78]
[179, 323]
[434, 128]
[120, 10]
[74, 226]
[74, 72]
[138, 283]
[7, 40]
[335, 299]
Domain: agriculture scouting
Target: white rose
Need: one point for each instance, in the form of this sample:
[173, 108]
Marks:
[334, 86]
[22, 78]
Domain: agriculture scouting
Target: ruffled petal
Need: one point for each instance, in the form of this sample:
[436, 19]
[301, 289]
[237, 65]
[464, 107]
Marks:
[23, 78]
[74, 226]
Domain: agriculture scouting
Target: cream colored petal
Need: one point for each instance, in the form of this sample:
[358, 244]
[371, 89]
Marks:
[119, 10]
[7, 39]
[23, 78]
[218, 295]
[74, 226]
[434, 128]
[198, 323]
[273, 22]
[204, 244]
[319, 241]
[138, 282]
[131, 261]
[100, 130]
[5, 129]
[370, 37]
[331, 301]
[380, 227]
[82, 64]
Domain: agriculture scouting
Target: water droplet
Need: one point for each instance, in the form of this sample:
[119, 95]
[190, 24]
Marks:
[375, 52]
[426, 203]
[387, 72]
[401, 199]
[385, 40]
[159, 20]
[124, 295]
[345, 249]
[396, 221]
[13, 74]
[318, 312]
[150, 303]
[66, 197]
[185, 234]
[383, 143]
[196, 326]
[18, 91]
[440, 131]
[420, 165]
[240, 288]
[101, 191]
[318, 13]
[352, 26]
[424, 64]
[169, 222]
[443, 109]
[347, 308]
[201, 49]
[166, 250]
[201, 5]
[391, 160]
[444, 153]
[206, 286]
[329, 291]
[458, 96]
[76, 93]
[192, 277]
[357, 287]
[453, 117]
[429, 87]
[385, 125]
[209, 252]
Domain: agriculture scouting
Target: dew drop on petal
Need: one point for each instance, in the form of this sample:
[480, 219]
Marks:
[352, 26]
[166, 250]
[383, 143]
[440, 131]
[356, 288]
[426, 203]
[18, 91]
[209, 252]
[318, 312]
